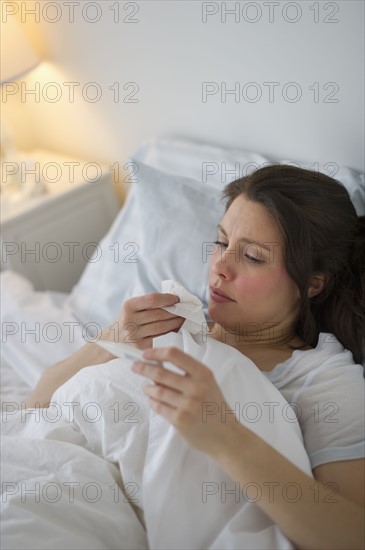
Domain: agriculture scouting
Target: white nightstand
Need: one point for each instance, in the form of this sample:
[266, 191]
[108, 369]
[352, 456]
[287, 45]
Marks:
[51, 238]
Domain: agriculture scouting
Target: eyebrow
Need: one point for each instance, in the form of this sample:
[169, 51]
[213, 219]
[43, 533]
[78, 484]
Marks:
[244, 240]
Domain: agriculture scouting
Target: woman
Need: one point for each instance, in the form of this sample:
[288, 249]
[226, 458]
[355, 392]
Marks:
[288, 291]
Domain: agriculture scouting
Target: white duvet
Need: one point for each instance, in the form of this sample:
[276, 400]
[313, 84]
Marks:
[100, 469]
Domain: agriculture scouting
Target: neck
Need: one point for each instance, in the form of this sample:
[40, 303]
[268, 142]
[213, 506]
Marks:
[269, 338]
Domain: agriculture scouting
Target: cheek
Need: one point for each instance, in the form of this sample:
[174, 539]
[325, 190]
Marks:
[254, 284]
[261, 282]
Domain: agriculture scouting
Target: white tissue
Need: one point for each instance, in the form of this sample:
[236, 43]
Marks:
[189, 307]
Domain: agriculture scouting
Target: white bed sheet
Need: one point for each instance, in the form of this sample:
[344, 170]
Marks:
[13, 388]
[109, 435]
[37, 331]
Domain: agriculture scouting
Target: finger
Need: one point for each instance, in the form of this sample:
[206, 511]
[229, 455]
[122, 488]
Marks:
[191, 366]
[153, 330]
[148, 301]
[162, 376]
[163, 409]
[147, 316]
[164, 395]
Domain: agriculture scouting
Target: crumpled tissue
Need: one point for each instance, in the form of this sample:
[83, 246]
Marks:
[189, 307]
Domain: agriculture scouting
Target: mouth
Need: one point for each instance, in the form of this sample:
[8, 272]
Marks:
[219, 296]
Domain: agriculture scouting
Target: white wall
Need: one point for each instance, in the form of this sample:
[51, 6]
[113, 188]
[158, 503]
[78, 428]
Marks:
[169, 52]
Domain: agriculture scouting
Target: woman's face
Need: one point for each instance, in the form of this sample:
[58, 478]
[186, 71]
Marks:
[252, 275]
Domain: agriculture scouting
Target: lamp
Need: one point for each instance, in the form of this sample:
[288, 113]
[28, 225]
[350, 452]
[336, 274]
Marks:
[17, 59]
[17, 55]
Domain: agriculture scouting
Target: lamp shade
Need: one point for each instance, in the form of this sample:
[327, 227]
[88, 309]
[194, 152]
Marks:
[17, 54]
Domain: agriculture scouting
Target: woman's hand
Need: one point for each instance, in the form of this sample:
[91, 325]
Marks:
[192, 402]
[141, 319]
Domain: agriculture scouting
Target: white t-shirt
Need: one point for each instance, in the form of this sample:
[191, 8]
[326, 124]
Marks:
[327, 391]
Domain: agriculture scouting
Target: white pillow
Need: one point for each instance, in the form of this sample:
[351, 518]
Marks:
[179, 218]
[199, 161]
[219, 165]
[105, 284]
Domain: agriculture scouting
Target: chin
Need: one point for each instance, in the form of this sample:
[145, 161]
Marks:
[215, 313]
[218, 315]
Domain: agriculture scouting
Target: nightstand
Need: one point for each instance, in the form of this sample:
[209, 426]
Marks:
[51, 238]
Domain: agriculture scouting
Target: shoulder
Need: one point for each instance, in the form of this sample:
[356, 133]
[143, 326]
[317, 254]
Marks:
[327, 361]
[327, 390]
[325, 374]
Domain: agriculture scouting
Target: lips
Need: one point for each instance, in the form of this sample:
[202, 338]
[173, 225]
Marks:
[216, 293]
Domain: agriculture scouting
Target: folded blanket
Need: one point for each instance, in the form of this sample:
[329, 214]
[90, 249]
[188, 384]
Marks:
[104, 432]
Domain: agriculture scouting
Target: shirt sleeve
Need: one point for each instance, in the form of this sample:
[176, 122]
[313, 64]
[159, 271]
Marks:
[331, 410]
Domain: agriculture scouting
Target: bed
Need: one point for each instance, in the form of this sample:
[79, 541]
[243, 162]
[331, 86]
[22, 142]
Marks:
[175, 183]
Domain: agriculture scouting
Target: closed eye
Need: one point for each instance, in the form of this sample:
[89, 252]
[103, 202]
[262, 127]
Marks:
[249, 258]
[253, 260]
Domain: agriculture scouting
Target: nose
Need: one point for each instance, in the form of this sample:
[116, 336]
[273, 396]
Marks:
[223, 263]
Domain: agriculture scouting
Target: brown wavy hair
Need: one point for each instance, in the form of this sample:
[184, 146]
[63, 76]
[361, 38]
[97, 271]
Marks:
[322, 234]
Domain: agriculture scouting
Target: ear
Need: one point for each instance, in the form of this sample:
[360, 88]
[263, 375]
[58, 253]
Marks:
[316, 284]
